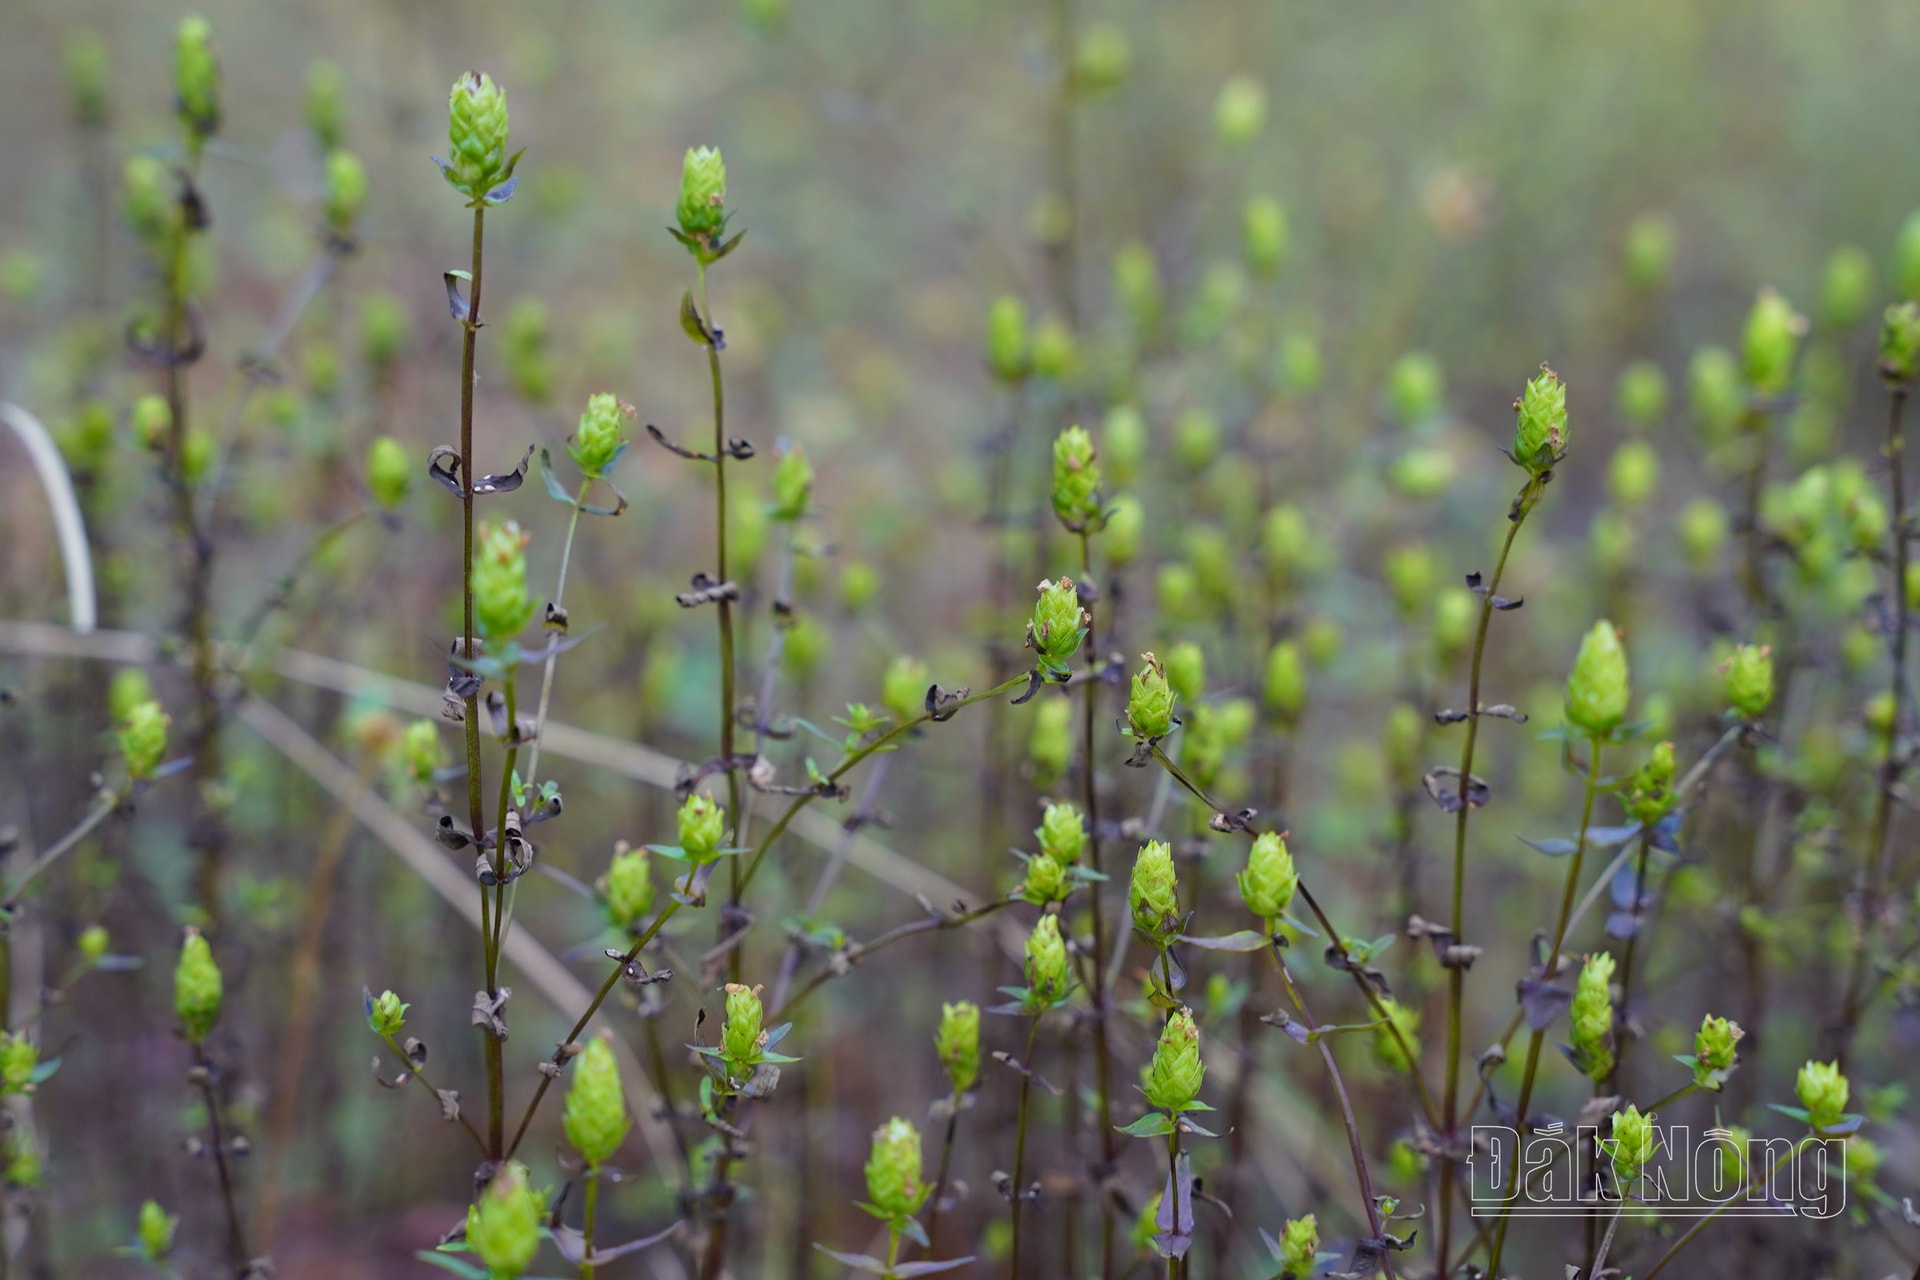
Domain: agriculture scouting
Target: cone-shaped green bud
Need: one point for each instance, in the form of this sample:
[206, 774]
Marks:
[1633, 473]
[1050, 743]
[1046, 881]
[1422, 472]
[1186, 668]
[1769, 343]
[903, 689]
[326, 103]
[387, 1014]
[1151, 893]
[86, 439]
[1046, 961]
[19, 1055]
[1822, 1090]
[601, 435]
[1632, 1145]
[596, 1115]
[1102, 60]
[88, 75]
[1750, 681]
[1592, 1016]
[1703, 531]
[1240, 112]
[1058, 626]
[420, 749]
[1196, 439]
[151, 208]
[1299, 1243]
[1597, 690]
[1286, 542]
[1648, 252]
[1007, 350]
[389, 472]
[1300, 367]
[1265, 225]
[792, 483]
[1136, 283]
[476, 134]
[1410, 576]
[1056, 352]
[1285, 687]
[1150, 703]
[1714, 391]
[702, 210]
[1716, 1047]
[1416, 386]
[859, 585]
[1455, 610]
[130, 688]
[384, 329]
[143, 738]
[894, 1184]
[155, 1232]
[743, 1040]
[1076, 479]
[1125, 434]
[1540, 433]
[1642, 395]
[703, 825]
[1900, 342]
[501, 605]
[1268, 883]
[503, 1227]
[626, 892]
[1126, 523]
[1172, 1079]
[346, 191]
[1405, 1020]
[1847, 287]
[1062, 834]
[93, 943]
[196, 988]
[1650, 791]
[957, 1042]
[196, 80]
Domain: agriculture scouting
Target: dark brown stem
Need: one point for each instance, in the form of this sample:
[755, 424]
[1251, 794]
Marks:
[237, 1253]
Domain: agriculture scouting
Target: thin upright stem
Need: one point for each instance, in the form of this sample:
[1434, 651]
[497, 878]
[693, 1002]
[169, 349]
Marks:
[587, 1223]
[1761, 1181]
[725, 607]
[559, 602]
[1622, 1017]
[1090, 793]
[103, 806]
[1018, 1186]
[237, 1253]
[946, 1165]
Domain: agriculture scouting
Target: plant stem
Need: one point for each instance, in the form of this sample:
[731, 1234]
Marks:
[1173, 1189]
[946, 1164]
[1721, 1208]
[237, 1253]
[1018, 1186]
[586, 1224]
[433, 1092]
[1103, 1057]
[1547, 973]
[1621, 1017]
[104, 804]
[559, 601]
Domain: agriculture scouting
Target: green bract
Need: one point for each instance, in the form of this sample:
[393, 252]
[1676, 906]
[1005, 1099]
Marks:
[1750, 681]
[1007, 350]
[1770, 342]
[1822, 1090]
[1270, 879]
[19, 1055]
[1716, 1047]
[1046, 881]
[596, 1113]
[143, 738]
[1540, 434]
[1076, 479]
[1597, 690]
[1150, 704]
[1592, 1016]
[1900, 342]
[957, 1042]
[743, 1041]
[503, 1226]
[1172, 1078]
[1151, 893]
[476, 135]
[197, 988]
[702, 210]
[1286, 684]
[894, 1185]
[155, 1232]
[601, 436]
[703, 825]
[1057, 627]
[387, 1015]
[1299, 1243]
[1649, 795]
[196, 81]
[346, 191]
[501, 606]
[1046, 962]
[1632, 1145]
[1062, 834]
[792, 483]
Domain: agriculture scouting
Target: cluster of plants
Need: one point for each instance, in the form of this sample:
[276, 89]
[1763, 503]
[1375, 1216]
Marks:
[1236, 858]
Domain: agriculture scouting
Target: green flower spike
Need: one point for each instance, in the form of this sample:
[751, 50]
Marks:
[1592, 1016]
[1597, 690]
[1240, 113]
[1062, 834]
[326, 104]
[1008, 351]
[1265, 227]
[1057, 627]
[702, 211]
[387, 1014]
[1046, 963]
[1540, 434]
[1299, 1243]
[1186, 668]
[143, 738]
[19, 1055]
[1076, 480]
[477, 137]
[1900, 342]
[743, 1040]
[503, 1228]
[1633, 1144]
[94, 943]
[155, 1232]
[1650, 791]
[1150, 704]
[1172, 1079]
[601, 437]
[389, 472]
[151, 208]
[501, 606]
[1770, 342]
[903, 689]
[1046, 881]
[894, 1185]
[197, 988]
[1151, 894]
[1716, 1048]
[1750, 681]
[420, 749]
[196, 81]
[957, 1042]
[792, 484]
[703, 824]
[1822, 1090]
[1270, 879]
[1285, 687]
[596, 1114]
[626, 891]
[346, 191]
[1385, 1047]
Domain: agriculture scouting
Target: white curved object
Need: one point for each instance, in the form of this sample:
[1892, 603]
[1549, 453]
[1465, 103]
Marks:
[68, 526]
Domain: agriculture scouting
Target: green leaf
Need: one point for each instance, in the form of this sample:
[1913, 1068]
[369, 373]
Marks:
[1244, 940]
[452, 1262]
[1553, 848]
[1154, 1124]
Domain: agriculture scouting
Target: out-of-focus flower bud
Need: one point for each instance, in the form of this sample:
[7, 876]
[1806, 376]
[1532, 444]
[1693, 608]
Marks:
[94, 943]
[1714, 391]
[1056, 352]
[894, 1184]
[1050, 742]
[1265, 227]
[1649, 252]
[196, 81]
[197, 988]
[420, 749]
[1150, 703]
[1062, 834]
[346, 191]
[503, 1227]
[389, 472]
[1172, 1079]
[1076, 479]
[1386, 1047]
[88, 75]
[1410, 575]
[626, 892]
[957, 1042]
[1906, 259]
[1285, 687]
[1046, 962]
[1102, 60]
[1650, 791]
[152, 209]
[1749, 684]
[1822, 1090]
[1770, 342]
[1126, 522]
[1422, 473]
[1900, 342]
[1455, 611]
[143, 738]
[130, 688]
[1540, 430]
[1240, 112]
[1592, 1016]
[792, 484]
[1633, 473]
[155, 1232]
[1416, 387]
[326, 103]
[1270, 879]
[19, 1055]
[1703, 531]
[501, 606]
[1136, 282]
[1597, 689]
[1641, 396]
[1716, 1048]
[385, 327]
[1846, 288]
[525, 340]
[1632, 1145]
[903, 689]
[1300, 366]
[1008, 352]
[1186, 669]
[859, 585]
[596, 1118]
[1299, 1245]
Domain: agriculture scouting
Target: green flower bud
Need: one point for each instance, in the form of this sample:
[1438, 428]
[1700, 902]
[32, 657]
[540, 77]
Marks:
[1046, 882]
[1386, 1048]
[1642, 395]
[1906, 259]
[596, 1115]
[1299, 1245]
[1703, 531]
[1136, 283]
[1650, 791]
[86, 439]
[1540, 434]
[1406, 731]
[1102, 60]
[152, 209]
[1146, 1225]
[88, 75]
[1422, 472]
[1715, 1050]
[1633, 473]
[1172, 1079]
[130, 688]
[196, 988]
[1007, 350]
[792, 484]
[743, 1040]
[1301, 366]
[1322, 640]
[346, 191]
[903, 690]
[196, 81]
[1150, 704]
[1125, 433]
[1649, 252]
[1900, 342]
[1611, 537]
[1455, 611]
[1822, 1091]
[501, 606]
[1062, 834]
[94, 943]
[19, 1055]
[1415, 388]
[957, 1042]
[1597, 690]
[1056, 352]
[476, 134]
[387, 1014]
[1410, 574]
[1269, 882]
[384, 329]
[859, 585]
[420, 749]
[326, 103]
[1632, 1145]
[703, 825]
[526, 337]
[1240, 113]
[1046, 961]
[143, 739]
[1592, 1016]
[1076, 479]
[1050, 743]
[1285, 688]
[1714, 390]
[703, 199]
[155, 1232]
[1265, 226]
[1058, 626]
[1846, 290]
[389, 472]
[1749, 684]
[1286, 542]
[503, 1227]
[1151, 893]
[196, 455]
[601, 437]
[1770, 341]
[1733, 1155]
[1186, 670]
[1126, 522]
[894, 1185]
[626, 891]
